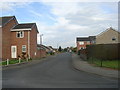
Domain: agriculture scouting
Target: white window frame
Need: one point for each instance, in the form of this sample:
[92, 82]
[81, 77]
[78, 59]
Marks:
[25, 47]
[21, 35]
[81, 43]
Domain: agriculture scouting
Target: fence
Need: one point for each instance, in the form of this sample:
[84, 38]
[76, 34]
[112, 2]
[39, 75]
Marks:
[83, 54]
[103, 51]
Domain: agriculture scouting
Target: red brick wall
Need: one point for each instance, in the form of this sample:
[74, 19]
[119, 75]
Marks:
[24, 41]
[33, 43]
[83, 46]
[6, 39]
[19, 42]
[0, 43]
[41, 53]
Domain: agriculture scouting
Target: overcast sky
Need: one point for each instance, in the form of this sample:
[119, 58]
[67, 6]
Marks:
[62, 22]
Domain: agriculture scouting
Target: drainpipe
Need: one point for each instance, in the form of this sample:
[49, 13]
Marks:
[29, 44]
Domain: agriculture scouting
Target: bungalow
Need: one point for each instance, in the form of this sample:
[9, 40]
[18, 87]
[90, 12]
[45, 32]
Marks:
[109, 36]
[41, 51]
[18, 40]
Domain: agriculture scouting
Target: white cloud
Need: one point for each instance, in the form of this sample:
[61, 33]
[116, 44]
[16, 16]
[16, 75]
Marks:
[72, 19]
[78, 19]
[11, 6]
[62, 21]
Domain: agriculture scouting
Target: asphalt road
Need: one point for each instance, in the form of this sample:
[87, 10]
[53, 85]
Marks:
[54, 72]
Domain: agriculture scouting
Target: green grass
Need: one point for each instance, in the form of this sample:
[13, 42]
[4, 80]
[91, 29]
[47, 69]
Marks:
[12, 62]
[105, 63]
[3, 63]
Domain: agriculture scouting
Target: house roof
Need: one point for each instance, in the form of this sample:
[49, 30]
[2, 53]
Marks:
[107, 31]
[4, 20]
[42, 46]
[83, 39]
[90, 38]
[24, 26]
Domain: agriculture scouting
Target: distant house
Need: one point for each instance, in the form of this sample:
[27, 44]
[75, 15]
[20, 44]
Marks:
[51, 49]
[41, 51]
[83, 41]
[18, 39]
[109, 36]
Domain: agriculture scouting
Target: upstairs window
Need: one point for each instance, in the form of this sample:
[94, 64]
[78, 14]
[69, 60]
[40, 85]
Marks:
[81, 43]
[20, 34]
[88, 42]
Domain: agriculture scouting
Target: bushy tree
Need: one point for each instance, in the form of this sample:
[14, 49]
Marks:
[60, 49]
[74, 49]
[65, 49]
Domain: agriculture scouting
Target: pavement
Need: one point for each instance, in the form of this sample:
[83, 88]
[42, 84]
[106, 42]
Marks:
[83, 65]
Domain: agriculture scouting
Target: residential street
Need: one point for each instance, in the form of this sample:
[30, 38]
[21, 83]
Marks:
[54, 72]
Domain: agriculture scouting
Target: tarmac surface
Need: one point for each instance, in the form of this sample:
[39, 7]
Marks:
[53, 72]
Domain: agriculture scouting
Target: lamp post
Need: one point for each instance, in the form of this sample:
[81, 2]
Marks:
[40, 44]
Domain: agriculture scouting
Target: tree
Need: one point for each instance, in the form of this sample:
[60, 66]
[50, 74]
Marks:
[60, 49]
[74, 49]
[65, 49]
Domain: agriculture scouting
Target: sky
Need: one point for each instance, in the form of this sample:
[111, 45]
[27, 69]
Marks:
[61, 22]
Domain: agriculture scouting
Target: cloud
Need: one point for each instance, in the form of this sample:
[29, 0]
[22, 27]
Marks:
[70, 19]
[79, 19]
[11, 6]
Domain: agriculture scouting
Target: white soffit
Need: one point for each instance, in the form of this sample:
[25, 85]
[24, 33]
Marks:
[24, 29]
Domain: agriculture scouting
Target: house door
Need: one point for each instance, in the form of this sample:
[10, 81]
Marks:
[13, 51]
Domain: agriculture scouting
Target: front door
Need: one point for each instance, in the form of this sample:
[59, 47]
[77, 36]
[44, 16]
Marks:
[13, 51]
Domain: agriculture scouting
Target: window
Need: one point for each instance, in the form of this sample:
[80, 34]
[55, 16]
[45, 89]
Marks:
[113, 39]
[23, 48]
[20, 34]
[81, 43]
[88, 42]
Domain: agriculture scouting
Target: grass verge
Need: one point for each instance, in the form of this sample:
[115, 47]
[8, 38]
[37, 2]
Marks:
[114, 64]
[13, 62]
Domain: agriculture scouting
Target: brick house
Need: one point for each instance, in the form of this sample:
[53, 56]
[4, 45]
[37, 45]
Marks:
[109, 36]
[24, 40]
[83, 41]
[6, 23]
[18, 39]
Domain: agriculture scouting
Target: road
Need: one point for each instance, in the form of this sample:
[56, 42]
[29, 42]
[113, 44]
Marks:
[54, 72]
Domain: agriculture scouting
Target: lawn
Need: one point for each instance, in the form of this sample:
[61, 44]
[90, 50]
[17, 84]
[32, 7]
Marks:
[105, 63]
[12, 62]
